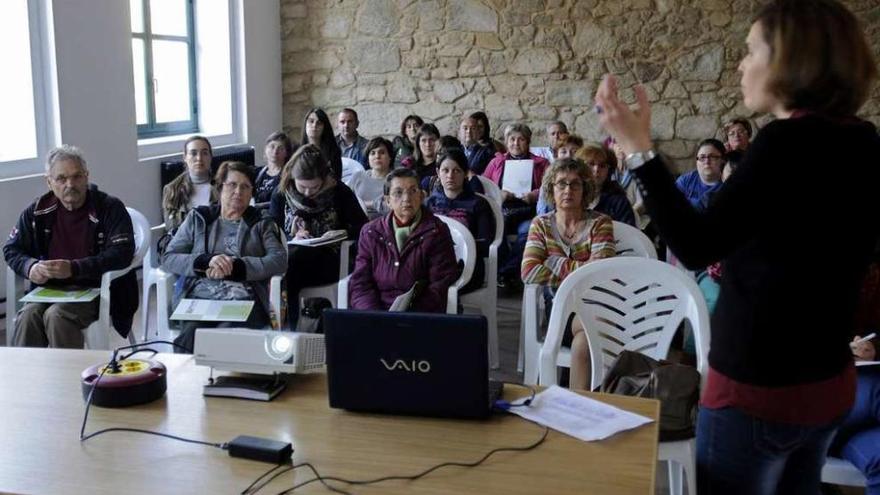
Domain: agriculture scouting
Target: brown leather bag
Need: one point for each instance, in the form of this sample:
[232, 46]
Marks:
[676, 386]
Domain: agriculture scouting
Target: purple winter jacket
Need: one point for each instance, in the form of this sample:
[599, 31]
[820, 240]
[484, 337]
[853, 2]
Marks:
[381, 273]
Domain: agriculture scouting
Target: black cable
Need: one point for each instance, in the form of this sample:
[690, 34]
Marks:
[254, 489]
[324, 479]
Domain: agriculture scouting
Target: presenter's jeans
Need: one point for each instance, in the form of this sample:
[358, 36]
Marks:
[54, 324]
[738, 453]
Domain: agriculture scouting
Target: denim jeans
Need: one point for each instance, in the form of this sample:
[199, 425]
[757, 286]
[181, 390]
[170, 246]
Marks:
[741, 454]
[860, 432]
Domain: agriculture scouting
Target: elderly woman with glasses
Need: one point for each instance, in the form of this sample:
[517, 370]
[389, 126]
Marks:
[707, 176]
[309, 203]
[738, 134]
[407, 249]
[565, 239]
[226, 252]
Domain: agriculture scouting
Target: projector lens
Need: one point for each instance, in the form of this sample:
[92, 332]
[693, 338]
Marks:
[281, 344]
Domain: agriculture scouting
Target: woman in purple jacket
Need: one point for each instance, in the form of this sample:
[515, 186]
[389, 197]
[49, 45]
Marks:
[408, 246]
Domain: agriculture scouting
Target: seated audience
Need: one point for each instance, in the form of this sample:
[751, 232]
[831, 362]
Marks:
[454, 198]
[226, 252]
[351, 144]
[518, 211]
[369, 185]
[424, 156]
[277, 151]
[192, 187]
[318, 131]
[309, 203]
[707, 176]
[478, 154]
[408, 246]
[737, 133]
[405, 143]
[569, 147]
[564, 240]
[485, 132]
[612, 199]
[556, 134]
[68, 238]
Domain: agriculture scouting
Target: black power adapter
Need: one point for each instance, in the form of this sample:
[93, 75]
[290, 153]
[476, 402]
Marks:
[260, 449]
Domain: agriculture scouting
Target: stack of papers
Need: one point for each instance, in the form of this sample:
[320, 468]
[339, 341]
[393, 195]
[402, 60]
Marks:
[329, 237]
[210, 310]
[49, 295]
[578, 416]
[517, 176]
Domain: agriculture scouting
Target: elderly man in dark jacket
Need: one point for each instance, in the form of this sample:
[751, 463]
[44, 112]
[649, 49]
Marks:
[409, 245]
[69, 237]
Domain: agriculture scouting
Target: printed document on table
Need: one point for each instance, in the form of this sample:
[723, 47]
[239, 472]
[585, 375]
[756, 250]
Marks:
[517, 176]
[211, 310]
[50, 295]
[578, 416]
[329, 237]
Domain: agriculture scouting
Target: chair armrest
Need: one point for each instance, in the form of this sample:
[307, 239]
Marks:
[275, 300]
[342, 291]
[344, 257]
[452, 298]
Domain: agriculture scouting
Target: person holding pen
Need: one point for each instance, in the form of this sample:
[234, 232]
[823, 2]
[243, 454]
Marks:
[781, 375]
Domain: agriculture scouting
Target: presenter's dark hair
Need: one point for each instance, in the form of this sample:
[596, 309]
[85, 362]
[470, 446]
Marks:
[820, 60]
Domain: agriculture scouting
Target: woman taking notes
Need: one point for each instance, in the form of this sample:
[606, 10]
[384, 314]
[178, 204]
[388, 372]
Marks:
[780, 375]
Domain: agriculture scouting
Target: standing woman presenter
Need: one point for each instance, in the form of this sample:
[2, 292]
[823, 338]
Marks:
[780, 375]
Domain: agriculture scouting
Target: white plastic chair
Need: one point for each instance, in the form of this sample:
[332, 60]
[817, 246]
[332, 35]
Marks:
[486, 298]
[329, 291]
[98, 334]
[839, 471]
[634, 304]
[491, 189]
[629, 241]
[465, 250]
[349, 167]
[154, 275]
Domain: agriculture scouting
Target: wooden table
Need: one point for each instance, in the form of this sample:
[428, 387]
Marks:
[41, 410]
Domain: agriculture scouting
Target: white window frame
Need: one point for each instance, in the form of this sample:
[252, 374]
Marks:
[45, 88]
[150, 148]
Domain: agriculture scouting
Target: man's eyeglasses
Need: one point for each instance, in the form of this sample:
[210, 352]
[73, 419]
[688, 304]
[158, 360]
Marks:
[400, 193]
[708, 158]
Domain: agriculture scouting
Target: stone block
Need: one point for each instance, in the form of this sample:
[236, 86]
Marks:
[662, 122]
[541, 112]
[535, 61]
[588, 127]
[703, 63]
[489, 41]
[569, 93]
[370, 93]
[592, 40]
[375, 56]
[337, 26]
[329, 97]
[378, 18]
[471, 15]
[310, 61]
[341, 78]
[503, 108]
[448, 91]
[430, 15]
[508, 85]
[402, 91]
[432, 110]
[696, 127]
[294, 10]
[381, 119]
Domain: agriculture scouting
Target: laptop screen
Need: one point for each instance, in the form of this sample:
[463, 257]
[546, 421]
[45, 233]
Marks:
[407, 363]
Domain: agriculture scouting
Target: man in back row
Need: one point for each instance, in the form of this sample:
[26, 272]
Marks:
[68, 238]
[351, 144]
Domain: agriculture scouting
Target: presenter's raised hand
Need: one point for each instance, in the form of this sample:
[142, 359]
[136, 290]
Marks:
[631, 128]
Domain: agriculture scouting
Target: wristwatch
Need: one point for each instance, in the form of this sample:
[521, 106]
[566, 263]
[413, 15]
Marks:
[637, 159]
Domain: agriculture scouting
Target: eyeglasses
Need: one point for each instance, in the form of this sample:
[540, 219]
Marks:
[400, 193]
[235, 186]
[62, 179]
[573, 185]
[708, 158]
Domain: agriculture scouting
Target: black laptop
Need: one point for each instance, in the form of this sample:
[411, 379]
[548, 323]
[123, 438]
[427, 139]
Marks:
[409, 363]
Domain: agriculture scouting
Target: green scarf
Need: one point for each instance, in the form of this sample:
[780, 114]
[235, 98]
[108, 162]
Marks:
[402, 233]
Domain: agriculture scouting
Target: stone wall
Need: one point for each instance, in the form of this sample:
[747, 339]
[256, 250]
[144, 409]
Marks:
[523, 60]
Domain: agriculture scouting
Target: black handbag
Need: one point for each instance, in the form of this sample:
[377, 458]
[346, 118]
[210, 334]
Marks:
[676, 386]
[310, 315]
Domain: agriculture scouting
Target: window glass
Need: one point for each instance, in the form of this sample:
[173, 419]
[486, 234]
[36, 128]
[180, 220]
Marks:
[18, 132]
[171, 81]
[168, 17]
[140, 83]
[137, 16]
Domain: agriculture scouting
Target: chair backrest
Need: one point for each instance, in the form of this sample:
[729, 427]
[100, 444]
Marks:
[465, 249]
[631, 241]
[626, 303]
[491, 190]
[499, 218]
[142, 235]
[349, 167]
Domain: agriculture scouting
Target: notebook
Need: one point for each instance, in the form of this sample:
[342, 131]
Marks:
[409, 363]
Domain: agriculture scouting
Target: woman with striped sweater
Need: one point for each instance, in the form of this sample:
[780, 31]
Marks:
[564, 240]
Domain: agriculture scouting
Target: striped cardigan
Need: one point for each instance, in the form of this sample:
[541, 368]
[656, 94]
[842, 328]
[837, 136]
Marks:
[548, 259]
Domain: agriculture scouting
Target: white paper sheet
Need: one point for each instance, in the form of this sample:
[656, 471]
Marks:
[867, 363]
[210, 310]
[581, 417]
[517, 176]
[50, 295]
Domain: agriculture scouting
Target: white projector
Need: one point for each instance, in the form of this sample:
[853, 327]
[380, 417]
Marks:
[263, 352]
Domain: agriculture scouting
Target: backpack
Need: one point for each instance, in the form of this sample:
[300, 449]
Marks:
[676, 386]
